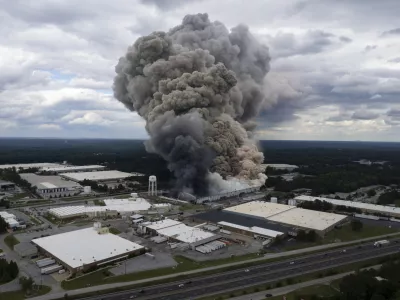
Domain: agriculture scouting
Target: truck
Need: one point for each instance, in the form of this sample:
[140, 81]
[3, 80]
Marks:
[51, 269]
[45, 263]
[381, 243]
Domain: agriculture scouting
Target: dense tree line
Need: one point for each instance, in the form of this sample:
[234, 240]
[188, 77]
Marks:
[3, 225]
[319, 205]
[8, 270]
[12, 175]
[389, 197]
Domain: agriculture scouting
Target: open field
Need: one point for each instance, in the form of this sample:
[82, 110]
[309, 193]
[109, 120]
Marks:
[321, 290]
[346, 234]
[20, 295]
[114, 230]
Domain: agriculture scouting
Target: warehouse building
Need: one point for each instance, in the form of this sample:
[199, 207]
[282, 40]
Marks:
[175, 231]
[6, 186]
[71, 169]
[290, 216]
[100, 176]
[254, 231]
[10, 219]
[280, 166]
[112, 207]
[364, 207]
[84, 249]
[52, 186]
[29, 166]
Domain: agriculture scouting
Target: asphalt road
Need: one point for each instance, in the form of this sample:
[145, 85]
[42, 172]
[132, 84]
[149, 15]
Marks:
[263, 273]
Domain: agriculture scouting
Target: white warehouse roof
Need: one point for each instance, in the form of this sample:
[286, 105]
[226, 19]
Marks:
[27, 166]
[288, 214]
[308, 218]
[360, 205]
[260, 208]
[128, 205]
[194, 235]
[85, 246]
[96, 176]
[162, 224]
[71, 168]
[254, 229]
[78, 210]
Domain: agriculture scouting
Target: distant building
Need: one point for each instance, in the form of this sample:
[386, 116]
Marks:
[280, 166]
[71, 169]
[6, 186]
[99, 176]
[52, 186]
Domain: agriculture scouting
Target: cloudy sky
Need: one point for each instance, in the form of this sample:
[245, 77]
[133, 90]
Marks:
[335, 68]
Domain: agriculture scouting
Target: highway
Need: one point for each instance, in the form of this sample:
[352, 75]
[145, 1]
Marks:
[258, 274]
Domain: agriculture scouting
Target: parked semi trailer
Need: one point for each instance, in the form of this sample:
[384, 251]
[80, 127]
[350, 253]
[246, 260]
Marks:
[46, 263]
[51, 269]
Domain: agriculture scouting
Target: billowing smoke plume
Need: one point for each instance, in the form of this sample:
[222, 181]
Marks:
[198, 87]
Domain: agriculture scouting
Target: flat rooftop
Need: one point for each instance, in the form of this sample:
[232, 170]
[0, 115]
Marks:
[48, 182]
[96, 176]
[308, 218]
[360, 205]
[162, 224]
[127, 205]
[76, 210]
[194, 235]
[27, 166]
[85, 246]
[254, 229]
[260, 208]
[71, 168]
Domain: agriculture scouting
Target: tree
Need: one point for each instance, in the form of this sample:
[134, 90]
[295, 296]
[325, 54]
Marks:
[356, 225]
[26, 283]
[371, 193]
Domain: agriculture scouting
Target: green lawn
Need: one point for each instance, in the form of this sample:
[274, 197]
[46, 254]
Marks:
[18, 196]
[99, 202]
[318, 290]
[184, 264]
[35, 221]
[20, 295]
[114, 230]
[346, 234]
[1, 250]
[11, 241]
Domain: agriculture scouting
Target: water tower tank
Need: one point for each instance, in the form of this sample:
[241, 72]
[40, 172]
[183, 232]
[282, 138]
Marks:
[152, 178]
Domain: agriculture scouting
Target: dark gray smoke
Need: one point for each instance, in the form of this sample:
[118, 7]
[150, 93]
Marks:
[198, 87]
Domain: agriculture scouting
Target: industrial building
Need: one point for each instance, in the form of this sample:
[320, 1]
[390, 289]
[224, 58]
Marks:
[87, 248]
[71, 169]
[10, 219]
[52, 186]
[67, 212]
[112, 207]
[29, 166]
[288, 215]
[364, 207]
[6, 186]
[100, 176]
[175, 231]
[254, 231]
[229, 194]
[280, 166]
[25, 249]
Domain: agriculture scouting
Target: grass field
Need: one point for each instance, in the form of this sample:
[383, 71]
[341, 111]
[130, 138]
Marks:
[19, 196]
[346, 234]
[318, 290]
[20, 295]
[121, 196]
[114, 230]
[99, 202]
[11, 241]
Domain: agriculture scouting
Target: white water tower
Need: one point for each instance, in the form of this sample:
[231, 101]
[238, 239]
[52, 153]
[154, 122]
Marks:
[152, 185]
